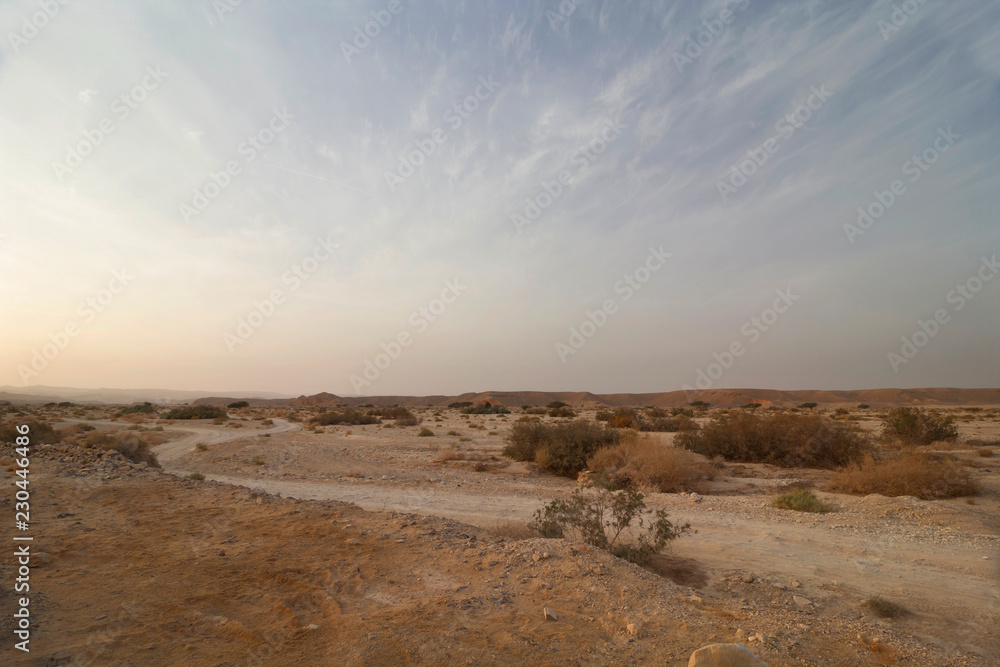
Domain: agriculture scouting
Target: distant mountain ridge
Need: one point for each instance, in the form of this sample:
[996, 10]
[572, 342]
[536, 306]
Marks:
[723, 398]
[45, 394]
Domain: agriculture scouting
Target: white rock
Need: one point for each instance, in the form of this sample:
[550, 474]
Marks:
[724, 655]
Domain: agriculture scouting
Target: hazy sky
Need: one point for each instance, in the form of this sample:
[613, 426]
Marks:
[676, 169]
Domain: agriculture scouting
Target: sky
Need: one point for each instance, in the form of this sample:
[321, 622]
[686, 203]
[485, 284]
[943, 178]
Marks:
[439, 197]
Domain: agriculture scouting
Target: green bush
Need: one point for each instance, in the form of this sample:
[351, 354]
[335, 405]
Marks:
[238, 404]
[777, 438]
[562, 448]
[460, 404]
[138, 408]
[916, 426]
[425, 433]
[197, 412]
[609, 520]
[808, 406]
[561, 412]
[800, 500]
[348, 416]
[557, 404]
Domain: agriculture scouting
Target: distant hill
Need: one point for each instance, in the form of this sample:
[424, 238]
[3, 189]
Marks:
[46, 394]
[722, 398]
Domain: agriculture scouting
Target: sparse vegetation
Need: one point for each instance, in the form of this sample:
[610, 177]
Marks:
[258, 460]
[563, 412]
[39, 433]
[196, 476]
[347, 416]
[648, 466]
[918, 427]
[486, 408]
[778, 438]
[616, 521]
[910, 474]
[138, 408]
[201, 447]
[562, 448]
[425, 432]
[800, 500]
[197, 412]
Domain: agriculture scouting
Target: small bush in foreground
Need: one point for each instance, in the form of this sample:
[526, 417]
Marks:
[649, 466]
[562, 448]
[916, 426]
[884, 608]
[615, 521]
[777, 438]
[196, 476]
[910, 474]
[800, 500]
[348, 416]
[201, 447]
[197, 412]
[425, 432]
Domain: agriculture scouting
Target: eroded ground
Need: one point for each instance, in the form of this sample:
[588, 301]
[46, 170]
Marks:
[151, 568]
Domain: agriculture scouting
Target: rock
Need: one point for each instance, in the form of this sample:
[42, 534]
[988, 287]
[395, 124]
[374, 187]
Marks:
[801, 601]
[312, 626]
[695, 498]
[633, 629]
[793, 583]
[549, 614]
[747, 578]
[724, 655]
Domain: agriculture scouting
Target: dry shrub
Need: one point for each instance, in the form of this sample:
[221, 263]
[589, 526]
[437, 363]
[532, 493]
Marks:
[560, 448]
[781, 439]
[909, 474]
[649, 466]
[916, 426]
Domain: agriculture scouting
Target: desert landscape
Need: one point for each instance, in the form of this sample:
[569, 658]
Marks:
[547, 332]
[268, 536]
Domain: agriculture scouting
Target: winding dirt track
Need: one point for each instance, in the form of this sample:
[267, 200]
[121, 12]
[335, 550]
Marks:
[931, 571]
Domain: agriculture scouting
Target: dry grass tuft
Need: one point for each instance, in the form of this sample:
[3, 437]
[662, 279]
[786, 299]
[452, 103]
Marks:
[649, 466]
[910, 474]
[800, 500]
